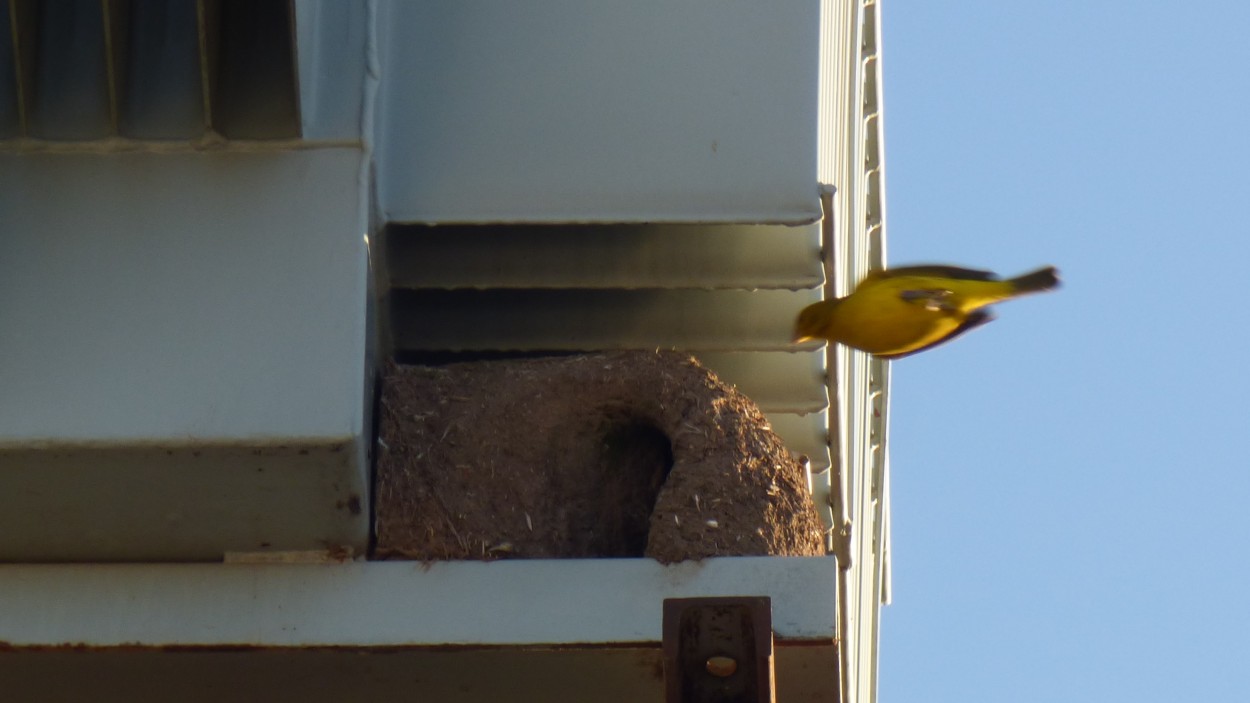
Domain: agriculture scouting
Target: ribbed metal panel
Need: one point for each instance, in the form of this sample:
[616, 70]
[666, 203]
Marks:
[162, 75]
[83, 70]
[249, 57]
[582, 319]
[807, 435]
[70, 91]
[780, 382]
[10, 120]
[851, 166]
[605, 256]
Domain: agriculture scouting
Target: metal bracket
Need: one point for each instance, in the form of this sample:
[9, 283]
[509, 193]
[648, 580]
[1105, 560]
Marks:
[840, 544]
[718, 650]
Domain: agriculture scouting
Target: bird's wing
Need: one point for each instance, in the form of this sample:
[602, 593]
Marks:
[976, 318]
[931, 298]
[939, 270]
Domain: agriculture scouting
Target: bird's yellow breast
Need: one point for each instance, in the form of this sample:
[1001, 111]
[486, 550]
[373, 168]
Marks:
[886, 324]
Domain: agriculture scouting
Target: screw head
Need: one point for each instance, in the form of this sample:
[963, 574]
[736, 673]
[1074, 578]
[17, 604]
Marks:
[721, 666]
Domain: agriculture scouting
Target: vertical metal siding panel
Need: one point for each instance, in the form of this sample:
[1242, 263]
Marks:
[839, 163]
[255, 95]
[207, 24]
[87, 70]
[841, 133]
[10, 111]
[116, 39]
[852, 162]
[71, 97]
[877, 589]
[870, 376]
[163, 91]
[837, 76]
[24, 27]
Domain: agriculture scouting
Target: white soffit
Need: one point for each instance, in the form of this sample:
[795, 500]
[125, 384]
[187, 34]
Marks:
[567, 111]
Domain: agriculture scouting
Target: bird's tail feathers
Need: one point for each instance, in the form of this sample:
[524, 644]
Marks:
[1043, 279]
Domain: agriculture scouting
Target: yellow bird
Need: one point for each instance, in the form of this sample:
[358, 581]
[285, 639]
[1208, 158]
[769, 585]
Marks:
[896, 312]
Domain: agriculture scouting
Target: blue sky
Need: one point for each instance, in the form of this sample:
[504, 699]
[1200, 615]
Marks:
[1071, 484]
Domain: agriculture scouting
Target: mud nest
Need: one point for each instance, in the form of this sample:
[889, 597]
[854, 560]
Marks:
[623, 454]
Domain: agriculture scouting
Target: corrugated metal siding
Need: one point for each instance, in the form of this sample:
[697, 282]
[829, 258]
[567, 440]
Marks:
[77, 70]
[581, 319]
[607, 256]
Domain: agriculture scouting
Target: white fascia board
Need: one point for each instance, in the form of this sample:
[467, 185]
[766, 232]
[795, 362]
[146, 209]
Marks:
[378, 604]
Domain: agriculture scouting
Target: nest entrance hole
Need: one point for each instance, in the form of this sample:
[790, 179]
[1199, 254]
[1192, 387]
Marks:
[635, 460]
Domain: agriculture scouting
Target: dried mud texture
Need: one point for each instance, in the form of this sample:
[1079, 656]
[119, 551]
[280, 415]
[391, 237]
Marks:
[621, 454]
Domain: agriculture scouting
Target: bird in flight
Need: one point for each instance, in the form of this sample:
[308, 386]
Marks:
[896, 312]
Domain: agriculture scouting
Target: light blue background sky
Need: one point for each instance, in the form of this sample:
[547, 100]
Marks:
[1070, 486]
